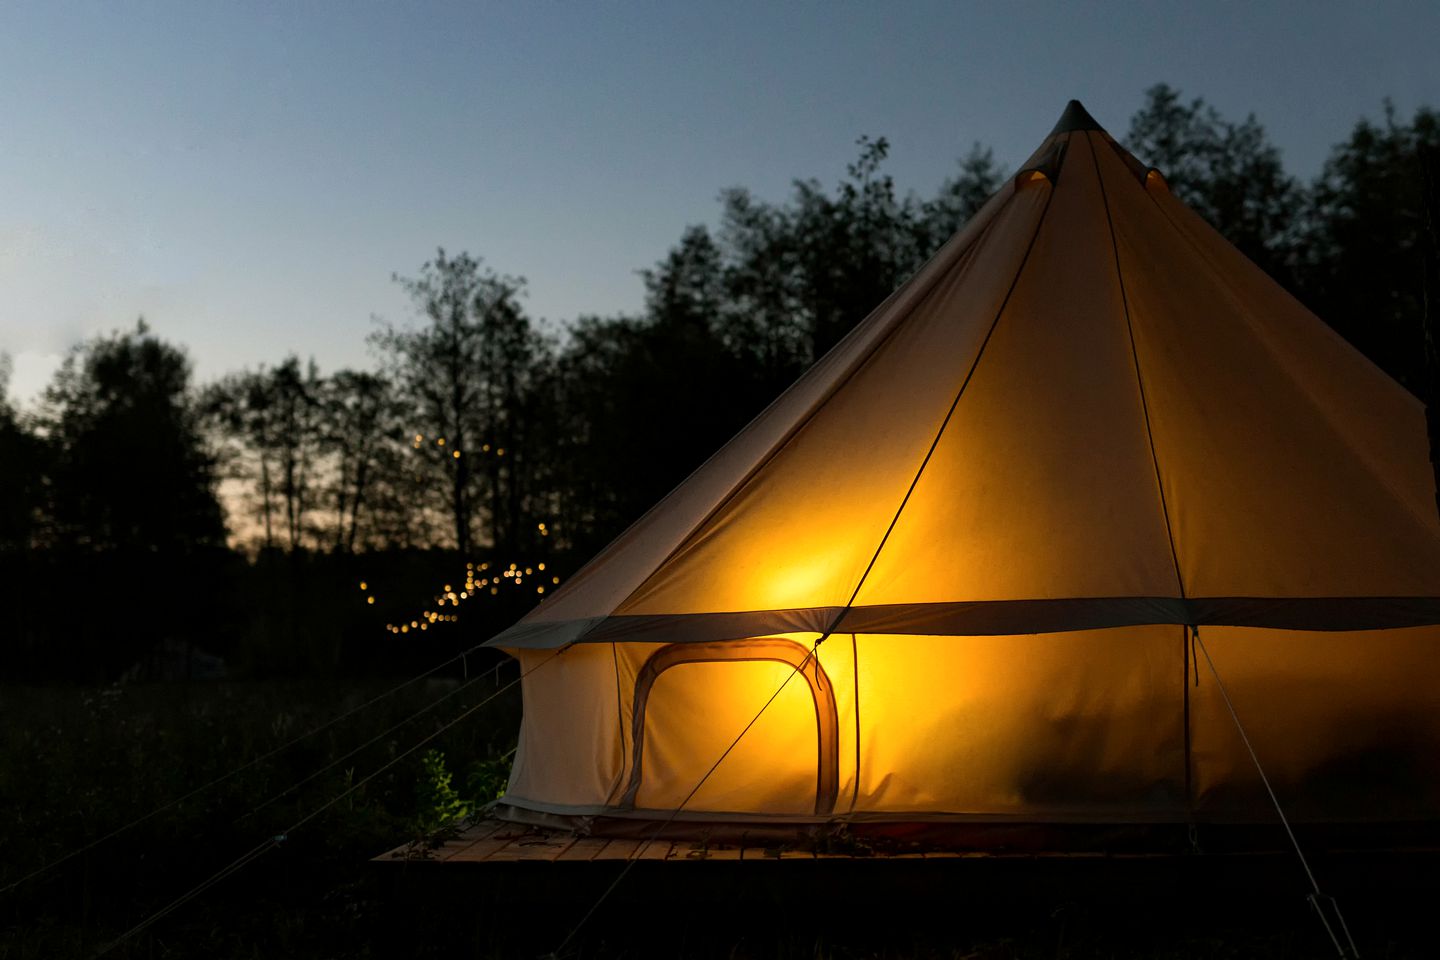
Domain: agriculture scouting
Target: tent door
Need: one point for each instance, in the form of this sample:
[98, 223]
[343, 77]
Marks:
[752, 651]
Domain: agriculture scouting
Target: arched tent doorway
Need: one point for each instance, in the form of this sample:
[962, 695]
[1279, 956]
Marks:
[707, 681]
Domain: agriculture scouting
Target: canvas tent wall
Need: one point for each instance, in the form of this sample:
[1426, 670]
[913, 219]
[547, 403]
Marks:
[1087, 425]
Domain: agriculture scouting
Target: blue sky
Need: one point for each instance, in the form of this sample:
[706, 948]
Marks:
[249, 175]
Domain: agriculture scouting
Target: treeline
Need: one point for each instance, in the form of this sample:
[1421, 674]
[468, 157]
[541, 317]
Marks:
[484, 432]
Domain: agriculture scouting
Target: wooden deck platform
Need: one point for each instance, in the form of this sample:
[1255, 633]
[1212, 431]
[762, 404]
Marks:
[531, 884]
[496, 842]
[501, 874]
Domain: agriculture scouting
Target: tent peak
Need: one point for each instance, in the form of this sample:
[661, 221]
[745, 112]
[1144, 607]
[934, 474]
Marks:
[1075, 117]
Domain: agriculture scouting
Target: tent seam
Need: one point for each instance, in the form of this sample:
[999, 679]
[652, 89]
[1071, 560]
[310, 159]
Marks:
[1139, 376]
[855, 710]
[784, 442]
[1302, 388]
[1159, 480]
[620, 723]
[949, 414]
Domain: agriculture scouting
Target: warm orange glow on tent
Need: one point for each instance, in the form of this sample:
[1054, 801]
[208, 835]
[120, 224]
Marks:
[1085, 427]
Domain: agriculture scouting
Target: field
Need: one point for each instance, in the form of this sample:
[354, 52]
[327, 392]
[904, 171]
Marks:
[80, 762]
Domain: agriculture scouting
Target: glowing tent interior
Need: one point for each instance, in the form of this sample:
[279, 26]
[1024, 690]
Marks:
[1087, 425]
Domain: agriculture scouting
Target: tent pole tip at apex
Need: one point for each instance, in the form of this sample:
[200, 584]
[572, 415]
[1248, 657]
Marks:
[1075, 117]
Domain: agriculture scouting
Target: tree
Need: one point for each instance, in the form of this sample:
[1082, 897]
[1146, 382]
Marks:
[731, 318]
[853, 248]
[1228, 172]
[237, 413]
[1428, 156]
[1367, 242]
[22, 453]
[958, 199]
[271, 430]
[296, 440]
[465, 376]
[129, 469]
[640, 401]
[362, 434]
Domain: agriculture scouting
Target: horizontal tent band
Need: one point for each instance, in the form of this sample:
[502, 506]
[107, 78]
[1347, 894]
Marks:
[987, 618]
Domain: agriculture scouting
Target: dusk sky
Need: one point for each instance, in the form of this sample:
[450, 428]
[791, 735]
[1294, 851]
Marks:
[248, 176]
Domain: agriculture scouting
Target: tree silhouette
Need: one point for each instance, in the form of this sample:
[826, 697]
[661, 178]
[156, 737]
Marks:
[1228, 172]
[1365, 252]
[362, 429]
[270, 425]
[128, 467]
[465, 376]
[21, 479]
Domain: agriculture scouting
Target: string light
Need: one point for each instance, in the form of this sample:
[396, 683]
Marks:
[513, 572]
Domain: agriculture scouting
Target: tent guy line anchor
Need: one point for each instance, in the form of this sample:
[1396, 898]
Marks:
[1317, 898]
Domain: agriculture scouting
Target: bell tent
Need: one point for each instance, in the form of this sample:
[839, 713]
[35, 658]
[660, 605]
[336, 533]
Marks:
[975, 566]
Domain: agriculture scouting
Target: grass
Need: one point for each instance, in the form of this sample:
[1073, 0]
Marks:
[80, 763]
[77, 763]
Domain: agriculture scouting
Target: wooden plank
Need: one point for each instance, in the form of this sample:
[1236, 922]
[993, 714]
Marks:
[759, 852]
[619, 850]
[723, 852]
[530, 847]
[483, 830]
[688, 850]
[503, 842]
[446, 850]
[584, 848]
[655, 850]
[569, 842]
[402, 853]
[415, 851]
[698, 850]
[482, 850]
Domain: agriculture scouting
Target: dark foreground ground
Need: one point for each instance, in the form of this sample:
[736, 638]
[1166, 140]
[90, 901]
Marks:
[1003, 907]
[74, 764]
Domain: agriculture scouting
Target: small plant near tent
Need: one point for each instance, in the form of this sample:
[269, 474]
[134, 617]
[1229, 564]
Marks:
[438, 803]
[485, 780]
